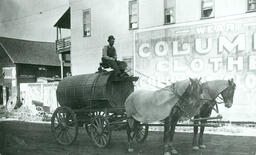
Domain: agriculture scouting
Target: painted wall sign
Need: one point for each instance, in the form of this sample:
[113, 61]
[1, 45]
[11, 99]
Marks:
[219, 50]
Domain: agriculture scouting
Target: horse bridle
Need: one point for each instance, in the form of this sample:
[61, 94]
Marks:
[214, 101]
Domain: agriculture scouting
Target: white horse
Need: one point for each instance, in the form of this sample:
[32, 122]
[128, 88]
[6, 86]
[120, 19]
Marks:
[169, 104]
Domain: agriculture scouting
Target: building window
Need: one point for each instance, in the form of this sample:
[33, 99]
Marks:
[133, 14]
[169, 11]
[87, 22]
[251, 5]
[207, 10]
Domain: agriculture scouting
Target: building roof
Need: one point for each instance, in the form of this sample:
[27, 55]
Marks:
[30, 52]
[64, 21]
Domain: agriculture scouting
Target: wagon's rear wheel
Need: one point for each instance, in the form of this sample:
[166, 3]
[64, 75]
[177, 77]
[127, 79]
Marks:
[100, 131]
[64, 125]
[141, 133]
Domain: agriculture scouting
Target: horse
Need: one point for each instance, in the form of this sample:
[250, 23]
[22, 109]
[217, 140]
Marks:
[223, 89]
[168, 104]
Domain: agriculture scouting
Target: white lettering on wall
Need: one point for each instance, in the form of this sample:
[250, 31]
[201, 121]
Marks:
[238, 63]
[200, 30]
[230, 27]
[216, 63]
[250, 81]
[202, 50]
[162, 66]
[219, 28]
[197, 65]
[185, 49]
[144, 50]
[177, 67]
[252, 62]
[238, 42]
[161, 48]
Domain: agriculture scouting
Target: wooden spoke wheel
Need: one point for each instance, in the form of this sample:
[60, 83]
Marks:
[100, 131]
[141, 133]
[64, 125]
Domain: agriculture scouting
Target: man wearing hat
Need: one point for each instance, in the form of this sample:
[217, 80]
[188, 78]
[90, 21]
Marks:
[109, 57]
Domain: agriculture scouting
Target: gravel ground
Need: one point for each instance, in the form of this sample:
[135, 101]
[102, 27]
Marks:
[35, 139]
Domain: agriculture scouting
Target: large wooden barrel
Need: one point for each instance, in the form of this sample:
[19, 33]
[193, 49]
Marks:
[93, 91]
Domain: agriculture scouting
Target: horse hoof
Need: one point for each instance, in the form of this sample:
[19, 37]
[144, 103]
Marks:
[195, 148]
[130, 150]
[174, 151]
[167, 153]
[202, 146]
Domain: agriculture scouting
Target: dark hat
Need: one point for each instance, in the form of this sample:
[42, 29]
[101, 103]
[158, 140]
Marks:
[111, 37]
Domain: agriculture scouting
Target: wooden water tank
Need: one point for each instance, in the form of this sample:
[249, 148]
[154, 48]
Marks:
[94, 91]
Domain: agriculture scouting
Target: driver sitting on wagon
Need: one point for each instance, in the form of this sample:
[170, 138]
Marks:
[109, 58]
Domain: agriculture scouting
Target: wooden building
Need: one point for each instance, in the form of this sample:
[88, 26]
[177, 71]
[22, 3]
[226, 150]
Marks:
[23, 61]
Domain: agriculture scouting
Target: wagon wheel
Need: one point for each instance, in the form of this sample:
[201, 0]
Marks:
[142, 133]
[64, 125]
[100, 131]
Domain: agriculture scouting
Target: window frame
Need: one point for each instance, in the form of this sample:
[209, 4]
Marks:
[174, 9]
[84, 23]
[213, 9]
[130, 15]
[248, 10]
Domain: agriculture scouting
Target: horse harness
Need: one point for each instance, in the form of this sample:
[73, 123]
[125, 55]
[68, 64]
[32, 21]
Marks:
[216, 109]
[181, 100]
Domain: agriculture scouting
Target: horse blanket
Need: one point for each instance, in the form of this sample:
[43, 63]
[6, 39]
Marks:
[149, 106]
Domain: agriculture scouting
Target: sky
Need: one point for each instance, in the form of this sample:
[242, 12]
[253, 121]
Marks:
[31, 19]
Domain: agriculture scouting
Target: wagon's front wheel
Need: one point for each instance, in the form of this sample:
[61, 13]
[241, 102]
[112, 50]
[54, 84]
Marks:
[64, 125]
[100, 131]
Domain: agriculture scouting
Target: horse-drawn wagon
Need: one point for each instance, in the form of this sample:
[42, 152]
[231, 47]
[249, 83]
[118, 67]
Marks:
[102, 102]
[94, 101]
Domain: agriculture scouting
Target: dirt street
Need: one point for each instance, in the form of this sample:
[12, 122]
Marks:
[35, 139]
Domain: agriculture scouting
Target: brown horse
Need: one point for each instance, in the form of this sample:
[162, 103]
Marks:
[211, 91]
[169, 104]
